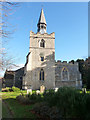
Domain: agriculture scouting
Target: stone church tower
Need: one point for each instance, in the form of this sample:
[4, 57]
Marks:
[40, 65]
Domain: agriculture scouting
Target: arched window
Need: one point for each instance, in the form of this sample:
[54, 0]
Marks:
[65, 74]
[42, 43]
[41, 74]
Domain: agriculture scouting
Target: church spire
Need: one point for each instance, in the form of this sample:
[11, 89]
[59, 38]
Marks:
[42, 23]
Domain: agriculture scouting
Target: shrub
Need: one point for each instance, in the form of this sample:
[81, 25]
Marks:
[23, 99]
[37, 107]
[7, 89]
[50, 97]
[33, 91]
[29, 99]
[10, 90]
[69, 101]
[4, 90]
[15, 89]
[87, 106]
[34, 97]
[45, 111]
[54, 113]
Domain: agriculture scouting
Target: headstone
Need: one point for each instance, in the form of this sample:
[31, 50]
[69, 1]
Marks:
[37, 92]
[84, 90]
[56, 89]
[42, 89]
[29, 91]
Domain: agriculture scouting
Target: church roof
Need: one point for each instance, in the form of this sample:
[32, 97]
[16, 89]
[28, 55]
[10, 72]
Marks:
[42, 17]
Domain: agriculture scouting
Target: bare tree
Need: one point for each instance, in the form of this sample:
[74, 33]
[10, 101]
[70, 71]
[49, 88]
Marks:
[5, 8]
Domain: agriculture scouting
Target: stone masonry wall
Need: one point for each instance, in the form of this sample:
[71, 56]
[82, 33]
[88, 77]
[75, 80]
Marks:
[72, 78]
[34, 64]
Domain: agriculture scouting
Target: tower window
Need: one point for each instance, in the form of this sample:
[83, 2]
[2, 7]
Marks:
[42, 74]
[42, 43]
[42, 58]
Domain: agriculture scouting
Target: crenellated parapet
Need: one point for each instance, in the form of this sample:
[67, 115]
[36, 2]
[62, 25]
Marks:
[39, 35]
[65, 63]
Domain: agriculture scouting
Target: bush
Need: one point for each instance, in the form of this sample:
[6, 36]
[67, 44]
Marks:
[34, 97]
[87, 106]
[7, 89]
[70, 102]
[22, 99]
[54, 113]
[15, 89]
[10, 90]
[45, 111]
[49, 97]
[37, 107]
[28, 99]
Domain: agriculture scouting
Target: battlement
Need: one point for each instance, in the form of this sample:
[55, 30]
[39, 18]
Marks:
[38, 34]
[66, 63]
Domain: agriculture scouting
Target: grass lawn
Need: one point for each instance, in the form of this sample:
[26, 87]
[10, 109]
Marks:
[10, 104]
[6, 112]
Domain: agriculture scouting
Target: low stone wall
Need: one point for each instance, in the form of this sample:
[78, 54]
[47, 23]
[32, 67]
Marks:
[65, 83]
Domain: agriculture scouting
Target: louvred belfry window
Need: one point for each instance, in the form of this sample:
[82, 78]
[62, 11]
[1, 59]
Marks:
[42, 43]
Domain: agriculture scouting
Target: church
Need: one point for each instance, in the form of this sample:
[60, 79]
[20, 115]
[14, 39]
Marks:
[41, 67]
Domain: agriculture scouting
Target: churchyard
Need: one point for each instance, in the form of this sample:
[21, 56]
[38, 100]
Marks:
[55, 104]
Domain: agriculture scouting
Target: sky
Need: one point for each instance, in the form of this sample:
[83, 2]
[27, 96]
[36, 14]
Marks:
[89, 29]
[69, 21]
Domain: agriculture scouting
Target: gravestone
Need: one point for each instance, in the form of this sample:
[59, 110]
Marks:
[42, 89]
[84, 90]
[37, 92]
[56, 89]
[29, 91]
